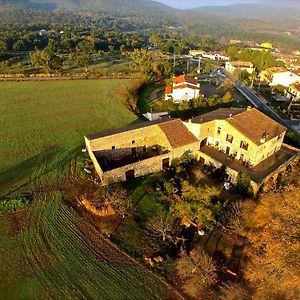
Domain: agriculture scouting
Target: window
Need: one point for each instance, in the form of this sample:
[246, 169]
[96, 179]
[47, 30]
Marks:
[217, 143]
[244, 145]
[113, 147]
[229, 138]
[219, 130]
[133, 142]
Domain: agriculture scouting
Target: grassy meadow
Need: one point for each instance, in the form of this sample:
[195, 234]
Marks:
[42, 124]
[47, 250]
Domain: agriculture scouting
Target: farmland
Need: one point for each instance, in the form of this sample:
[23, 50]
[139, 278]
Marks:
[42, 124]
[47, 250]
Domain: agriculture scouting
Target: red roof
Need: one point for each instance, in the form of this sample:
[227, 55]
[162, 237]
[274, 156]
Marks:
[182, 86]
[185, 78]
[177, 133]
[168, 90]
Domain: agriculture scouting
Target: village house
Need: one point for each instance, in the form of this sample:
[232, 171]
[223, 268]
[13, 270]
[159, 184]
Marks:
[241, 139]
[232, 66]
[247, 135]
[279, 76]
[183, 88]
[139, 149]
[216, 56]
[293, 93]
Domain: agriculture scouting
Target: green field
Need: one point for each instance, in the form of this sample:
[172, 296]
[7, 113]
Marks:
[42, 124]
[47, 250]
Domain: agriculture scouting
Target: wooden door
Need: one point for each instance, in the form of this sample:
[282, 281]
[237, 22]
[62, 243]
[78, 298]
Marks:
[129, 174]
[166, 163]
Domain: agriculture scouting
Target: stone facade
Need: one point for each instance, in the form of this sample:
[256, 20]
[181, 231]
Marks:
[223, 135]
[147, 166]
[139, 149]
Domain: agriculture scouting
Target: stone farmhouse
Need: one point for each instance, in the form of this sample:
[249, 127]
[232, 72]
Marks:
[183, 88]
[279, 76]
[242, 139]
[139, 149]
[247, 135]
[231, 66]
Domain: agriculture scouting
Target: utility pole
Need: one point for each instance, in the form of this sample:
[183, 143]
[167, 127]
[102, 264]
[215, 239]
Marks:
[187, 67]
[199, 64]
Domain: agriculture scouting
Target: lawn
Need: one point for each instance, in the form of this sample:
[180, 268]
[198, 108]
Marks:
[42, 124]
[47, 251]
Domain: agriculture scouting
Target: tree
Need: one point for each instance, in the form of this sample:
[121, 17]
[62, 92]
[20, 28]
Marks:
[272, 229]
[167, 69]
[198, 272]
[234, 291]
[84, 57]
[227, 97]
[143, 60]
[129, 95]
[120, 201]
[243, 184]
[208, 67]
[48, 59]
[196, 204]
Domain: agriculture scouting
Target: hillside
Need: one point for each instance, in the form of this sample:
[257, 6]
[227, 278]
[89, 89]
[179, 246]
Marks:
[249, 22]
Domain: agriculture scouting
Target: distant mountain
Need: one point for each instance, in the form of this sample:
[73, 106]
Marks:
[258, 10]
[95, 5]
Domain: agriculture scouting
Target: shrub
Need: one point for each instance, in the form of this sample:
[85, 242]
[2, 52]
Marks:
[243, 185]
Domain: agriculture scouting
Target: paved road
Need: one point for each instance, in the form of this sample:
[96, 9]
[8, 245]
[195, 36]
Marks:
[257, 101]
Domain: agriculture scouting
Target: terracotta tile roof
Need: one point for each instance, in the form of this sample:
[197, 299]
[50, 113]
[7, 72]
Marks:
[275, 70]
[242, 64]
[177, 133]
[182, 86]
[296, 86]
[218, 114]
[252, 123]
[168, 90]
[255, 124]
[185, 78]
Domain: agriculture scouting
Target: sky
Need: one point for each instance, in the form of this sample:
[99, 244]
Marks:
[199, 3]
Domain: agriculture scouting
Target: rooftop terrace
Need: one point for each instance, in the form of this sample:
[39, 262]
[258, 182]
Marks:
[260, 171]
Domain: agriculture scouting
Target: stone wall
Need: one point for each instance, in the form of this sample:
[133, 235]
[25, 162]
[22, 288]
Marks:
[147, 166]
[93, 158]
[125, 141]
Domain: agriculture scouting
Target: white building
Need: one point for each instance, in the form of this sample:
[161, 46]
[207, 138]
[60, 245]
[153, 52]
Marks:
[279, 76]
[231, 66]
[183, 88]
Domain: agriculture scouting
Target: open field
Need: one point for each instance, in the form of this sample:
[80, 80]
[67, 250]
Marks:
[42, 124]
[47, 251]
[52, 253]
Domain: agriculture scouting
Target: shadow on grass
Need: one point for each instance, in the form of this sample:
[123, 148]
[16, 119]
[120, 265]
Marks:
[45, 167]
